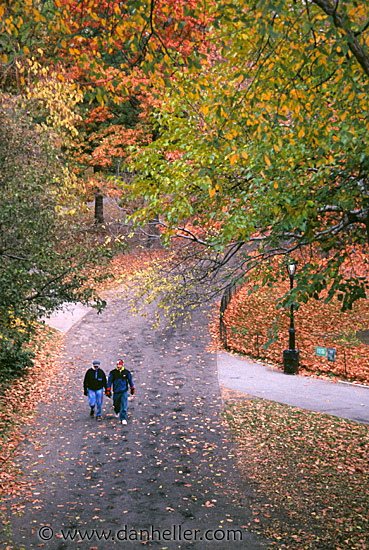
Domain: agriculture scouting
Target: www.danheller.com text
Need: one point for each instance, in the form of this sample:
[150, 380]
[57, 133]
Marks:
[175, 533]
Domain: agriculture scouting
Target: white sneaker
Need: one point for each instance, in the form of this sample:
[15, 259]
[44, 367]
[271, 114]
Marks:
[116, 415]
[124, 422]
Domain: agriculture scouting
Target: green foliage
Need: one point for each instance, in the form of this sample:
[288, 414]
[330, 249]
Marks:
[266, 144]
[15, 359]
[45, 257]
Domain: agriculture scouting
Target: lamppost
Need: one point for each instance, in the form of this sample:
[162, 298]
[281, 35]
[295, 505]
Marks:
[291, 356]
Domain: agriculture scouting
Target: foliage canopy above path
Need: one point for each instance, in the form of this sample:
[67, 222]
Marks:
[244, 125]
[266, 144]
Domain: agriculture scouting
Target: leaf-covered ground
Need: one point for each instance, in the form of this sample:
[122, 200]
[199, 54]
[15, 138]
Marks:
[312, 468]
[171, 465]
[18, 403]
[249, 318]
[124, 267]
[310, 471]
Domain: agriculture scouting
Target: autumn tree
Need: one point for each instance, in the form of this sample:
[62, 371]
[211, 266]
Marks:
[46, 258]
[23, 32]
[118, 54]
[262, 153]
[261, 149]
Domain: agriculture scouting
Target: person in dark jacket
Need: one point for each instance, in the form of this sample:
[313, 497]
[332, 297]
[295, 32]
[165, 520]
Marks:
[94, 385]
[120, 379]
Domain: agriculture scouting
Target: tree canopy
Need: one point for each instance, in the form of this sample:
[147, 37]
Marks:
[266, 144]
[243, 124]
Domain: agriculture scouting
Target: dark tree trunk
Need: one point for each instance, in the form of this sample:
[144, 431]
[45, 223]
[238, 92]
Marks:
[99, 208]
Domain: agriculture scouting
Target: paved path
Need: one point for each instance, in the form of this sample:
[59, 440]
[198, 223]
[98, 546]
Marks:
[65, 318]
[259, 380]
[170, 468]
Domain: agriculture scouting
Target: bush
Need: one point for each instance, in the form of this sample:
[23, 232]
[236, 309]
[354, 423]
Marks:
[15, 360]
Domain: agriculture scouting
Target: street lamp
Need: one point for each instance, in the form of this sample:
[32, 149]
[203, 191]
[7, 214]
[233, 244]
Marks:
[291, 356]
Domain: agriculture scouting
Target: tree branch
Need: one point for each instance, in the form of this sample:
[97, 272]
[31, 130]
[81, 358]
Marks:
[40, 293]
[342, 22]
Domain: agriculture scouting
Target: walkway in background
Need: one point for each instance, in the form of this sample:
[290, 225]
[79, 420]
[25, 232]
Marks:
[170, 471]
[258, 380]
[65, 318]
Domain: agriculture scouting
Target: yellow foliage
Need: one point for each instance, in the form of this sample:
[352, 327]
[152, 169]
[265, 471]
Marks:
[58, 96]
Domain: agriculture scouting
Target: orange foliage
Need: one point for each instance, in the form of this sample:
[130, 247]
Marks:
[249, 317]
[107, 62]
[124, 267]
[170, 23]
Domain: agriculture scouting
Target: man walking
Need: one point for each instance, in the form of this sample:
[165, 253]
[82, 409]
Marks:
[120, 379]
[94, 384]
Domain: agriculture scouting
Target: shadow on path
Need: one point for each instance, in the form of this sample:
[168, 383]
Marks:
[170, 469]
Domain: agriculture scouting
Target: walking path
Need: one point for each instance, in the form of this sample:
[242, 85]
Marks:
[259, 380]
[67, 317]
[335, 398]
[167, 480]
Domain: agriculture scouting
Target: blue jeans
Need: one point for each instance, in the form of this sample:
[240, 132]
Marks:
[120, 404]
[96, 398]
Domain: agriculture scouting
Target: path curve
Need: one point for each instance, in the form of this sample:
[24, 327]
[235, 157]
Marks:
[169, 472]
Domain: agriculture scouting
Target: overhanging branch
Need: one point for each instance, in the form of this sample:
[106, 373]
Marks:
[342, 22]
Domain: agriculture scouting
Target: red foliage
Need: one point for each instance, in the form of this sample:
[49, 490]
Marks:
[172, 24]
[108, 62]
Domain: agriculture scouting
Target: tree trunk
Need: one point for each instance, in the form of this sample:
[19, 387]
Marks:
[99, 208]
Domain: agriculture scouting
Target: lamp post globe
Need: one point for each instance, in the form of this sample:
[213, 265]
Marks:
[291, 268]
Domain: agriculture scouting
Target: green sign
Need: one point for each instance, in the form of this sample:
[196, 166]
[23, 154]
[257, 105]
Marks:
[322, 352]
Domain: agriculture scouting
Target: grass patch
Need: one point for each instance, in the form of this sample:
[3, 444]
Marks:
[310, 471]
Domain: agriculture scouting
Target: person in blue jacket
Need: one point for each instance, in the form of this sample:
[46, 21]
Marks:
[94, 384]
[120, 380]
